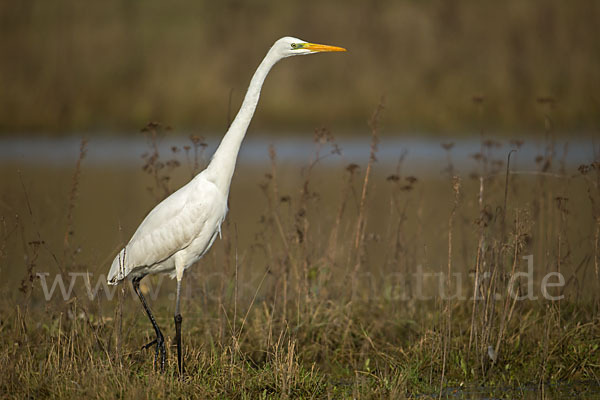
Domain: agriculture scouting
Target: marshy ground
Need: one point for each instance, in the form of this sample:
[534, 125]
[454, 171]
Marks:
[329, 281]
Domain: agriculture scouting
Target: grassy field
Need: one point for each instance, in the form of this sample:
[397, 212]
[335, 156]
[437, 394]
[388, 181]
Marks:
[328, 282]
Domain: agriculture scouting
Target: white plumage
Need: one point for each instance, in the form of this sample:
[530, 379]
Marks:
[181, 228]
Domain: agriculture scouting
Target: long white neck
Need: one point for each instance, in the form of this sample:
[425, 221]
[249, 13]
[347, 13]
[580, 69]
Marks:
[221, 167]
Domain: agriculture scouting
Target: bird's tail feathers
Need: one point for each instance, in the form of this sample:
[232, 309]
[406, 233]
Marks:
[118, 269]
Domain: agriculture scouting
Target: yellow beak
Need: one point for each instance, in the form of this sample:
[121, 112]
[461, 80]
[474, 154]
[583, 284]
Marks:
[322, 47]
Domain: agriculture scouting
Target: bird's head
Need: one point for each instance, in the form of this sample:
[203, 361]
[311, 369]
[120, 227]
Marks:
[291, 46]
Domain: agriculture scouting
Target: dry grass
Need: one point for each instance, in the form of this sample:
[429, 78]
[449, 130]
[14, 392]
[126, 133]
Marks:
[321, 287]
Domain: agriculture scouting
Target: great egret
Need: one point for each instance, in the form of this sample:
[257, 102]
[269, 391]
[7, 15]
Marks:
[181, 228]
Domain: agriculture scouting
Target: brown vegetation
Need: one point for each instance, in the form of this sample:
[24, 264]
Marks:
[328, 282]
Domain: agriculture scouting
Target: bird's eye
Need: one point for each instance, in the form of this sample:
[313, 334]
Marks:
[294, 45]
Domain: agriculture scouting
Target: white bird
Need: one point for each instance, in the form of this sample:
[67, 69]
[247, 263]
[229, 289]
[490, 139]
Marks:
[181, 228]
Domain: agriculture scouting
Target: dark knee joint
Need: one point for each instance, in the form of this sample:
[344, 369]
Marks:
[178, 318]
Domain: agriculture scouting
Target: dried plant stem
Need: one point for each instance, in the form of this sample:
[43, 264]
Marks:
[360, 223]
[506, 314]
[119, 326]
[506, 181]
[73, 193]
[333, 238]
[597, 249]
[273, 198]
[478, 260]
[448, 308]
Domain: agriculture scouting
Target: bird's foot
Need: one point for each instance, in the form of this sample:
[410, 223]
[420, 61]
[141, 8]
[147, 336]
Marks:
[160, 349]
[146, 346]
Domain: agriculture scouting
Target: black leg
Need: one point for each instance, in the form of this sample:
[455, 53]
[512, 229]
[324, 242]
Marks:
[178, 320]
[159, 341]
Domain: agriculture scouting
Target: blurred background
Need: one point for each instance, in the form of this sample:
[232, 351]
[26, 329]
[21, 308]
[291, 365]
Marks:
[104, 68]
[460, 82]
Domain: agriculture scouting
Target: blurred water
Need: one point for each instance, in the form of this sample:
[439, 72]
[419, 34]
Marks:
[420, 153]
